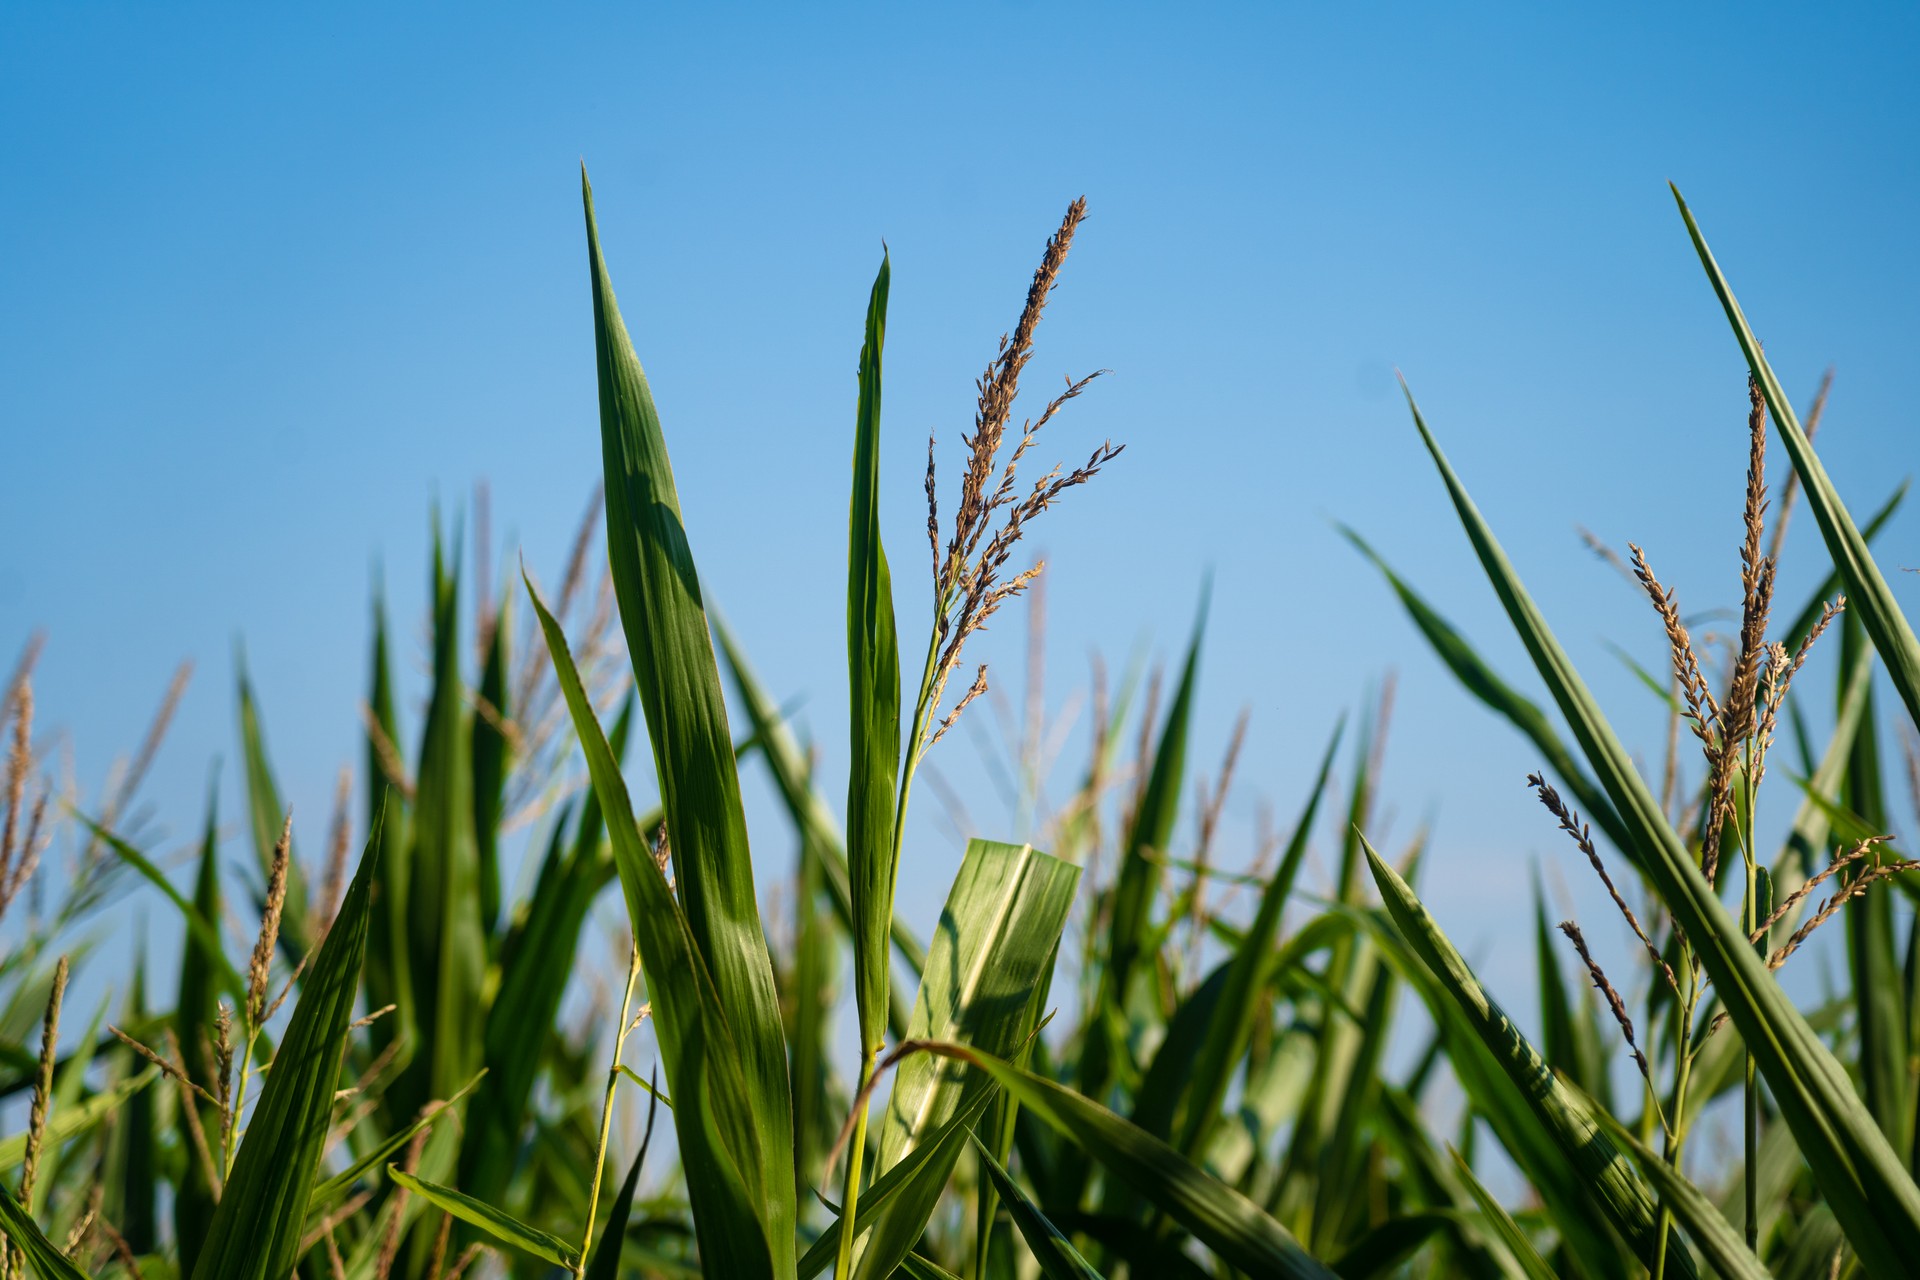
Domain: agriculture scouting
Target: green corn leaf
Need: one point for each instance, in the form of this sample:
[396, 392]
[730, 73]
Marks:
[678, 682]
[931, 1162]
[445, 933]
[497, 1223]
[995, 943]
[1518, 1245]
[1218, 1216]
[1832, 585]
[492, 760]
[133, 1200]
[1224, 1042]
[1806, 849]
[389, 957]
[203, 971]
[46, 1260]
[1864, 1182]
[729, 1172]
[1056, 1255]
[1142, 868]
[1384, 1250]
[533, 980]
[1601, 1175]
[326, 1192]
[1480, 679]
[255, 1233]
[1710, 1232]
[1868, 597]
[873, 690]
[915, 1267]
[266, 815]
[606, 1257]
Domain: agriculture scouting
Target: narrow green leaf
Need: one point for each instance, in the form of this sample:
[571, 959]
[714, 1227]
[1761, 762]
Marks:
[727, 1167]
[1575, 1131]
[1868, 597]
[1710, 1232]
[1865, 1183]
[492, 760]
[389, 978]
[997, 936]
[873, 694]
[658, 590]
[1528, 1258]
[606, 1256]
[1224, 1042]
[203, 972]
[495, 1222]
[255, 1233]
[1056, 1255]
[324, 1193]
[1217, 1215]
[69, 1122]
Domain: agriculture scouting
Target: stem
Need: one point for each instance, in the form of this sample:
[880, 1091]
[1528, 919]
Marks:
[606, 1110]
[1677, 1135]
[234, 1104]
[1751, 1094]
[871, 1039]
[856, 1156]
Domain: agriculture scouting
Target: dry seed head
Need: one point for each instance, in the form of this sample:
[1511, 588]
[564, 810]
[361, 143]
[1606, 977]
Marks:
[43, 1082]
[1583, 837]
[1701, 710]
[261, 964]
[1605, 988]
[19, 766]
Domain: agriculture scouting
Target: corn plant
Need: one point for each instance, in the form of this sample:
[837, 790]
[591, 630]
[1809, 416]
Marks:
[392, 1079]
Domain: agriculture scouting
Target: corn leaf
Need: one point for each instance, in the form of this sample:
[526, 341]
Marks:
[256, 1231]
[1521, 1249]
[658, 590]
[996, 938]
[873, 692]
[1057, 1257]
[726, 1165]
[1868, 597]
[1218, 1216]
[203, 971]
[1581, 1144]
[495, 1222]
[1865, 1183]
[492, 759]
[1709, 1230]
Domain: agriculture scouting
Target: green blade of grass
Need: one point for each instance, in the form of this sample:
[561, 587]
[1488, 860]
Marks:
[256, 1231]
[1599, 1170]
[1525, 1256]
[1709, 1230]
[931, 1162]
[331, 1189]
[1057, 1257]
[1866, 1184]
[203, 971]
[1868, 596]
[1218, 1216]
[1224, 1042]
[533, 981]
[492, 759]
[1137, 883]
[997, 936]
[389, 978]
[69, 1122]
[678, 682]
[727, 1167]
[497, 1223]
[873, 692]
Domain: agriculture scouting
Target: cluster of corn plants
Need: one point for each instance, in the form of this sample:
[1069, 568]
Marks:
[395, 1081]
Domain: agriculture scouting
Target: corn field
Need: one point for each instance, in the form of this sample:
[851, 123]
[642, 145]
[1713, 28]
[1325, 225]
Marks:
[1119, 1054]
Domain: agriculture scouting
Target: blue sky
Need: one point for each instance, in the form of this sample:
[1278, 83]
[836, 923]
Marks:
[276, 280]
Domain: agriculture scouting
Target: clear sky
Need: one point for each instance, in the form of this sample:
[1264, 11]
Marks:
[275, 279]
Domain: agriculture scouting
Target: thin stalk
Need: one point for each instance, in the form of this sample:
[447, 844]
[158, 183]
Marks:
[1676, 1139]
[1751, 1091]
[870, 1049]
[606, 1109]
